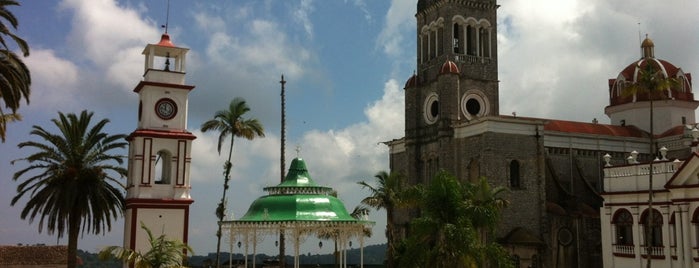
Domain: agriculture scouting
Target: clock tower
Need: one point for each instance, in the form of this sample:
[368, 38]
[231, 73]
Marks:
[158, 184]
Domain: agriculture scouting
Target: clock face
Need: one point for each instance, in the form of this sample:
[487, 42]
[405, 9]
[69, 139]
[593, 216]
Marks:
[166, 108]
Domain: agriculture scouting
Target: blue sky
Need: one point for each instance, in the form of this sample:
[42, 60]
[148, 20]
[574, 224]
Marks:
[345, 63]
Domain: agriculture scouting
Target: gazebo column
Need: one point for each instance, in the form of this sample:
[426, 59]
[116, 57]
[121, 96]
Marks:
[361, 249]
[296, 247]
[247, 242]
[254, 248]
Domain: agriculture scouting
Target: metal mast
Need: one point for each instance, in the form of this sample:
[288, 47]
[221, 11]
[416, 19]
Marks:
[282, 255]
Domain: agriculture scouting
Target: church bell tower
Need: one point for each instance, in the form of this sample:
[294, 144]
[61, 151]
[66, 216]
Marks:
[158, 183]
[456, 80]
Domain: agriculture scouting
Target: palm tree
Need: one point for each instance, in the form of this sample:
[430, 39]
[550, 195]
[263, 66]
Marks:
[69, 180]
[4, 118]
[163, 253]
[651, 82]
[231, 123]
[448, 232]
[387, 194]
[483, 206]
[14, 74]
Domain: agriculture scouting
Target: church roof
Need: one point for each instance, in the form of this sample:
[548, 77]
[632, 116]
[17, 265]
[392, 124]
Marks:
[165, 41]
[449, 67]
[629, 75]
[412, 82]
[593, 128]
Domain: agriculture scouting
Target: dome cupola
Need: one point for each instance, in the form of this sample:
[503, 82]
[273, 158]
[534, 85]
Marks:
[629, 99]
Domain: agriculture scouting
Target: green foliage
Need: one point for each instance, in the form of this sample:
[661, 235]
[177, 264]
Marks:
[651, 82]
[163, 253]
[388, 194]
[231, 123]
[69, 180]
[454, 225]
[15, 78]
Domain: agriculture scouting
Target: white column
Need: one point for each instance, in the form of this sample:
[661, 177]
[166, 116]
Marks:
[478, 41]
[361, 249]
[436, 43]
[687, 236]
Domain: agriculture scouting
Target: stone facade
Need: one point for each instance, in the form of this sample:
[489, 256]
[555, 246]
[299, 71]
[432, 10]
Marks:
[552, 168]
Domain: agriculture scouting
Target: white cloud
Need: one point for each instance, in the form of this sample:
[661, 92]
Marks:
[108, 35]
[564, 52]
[302, 13]
[399, 20]
[209, 23]
[53, 78]
[361, 4]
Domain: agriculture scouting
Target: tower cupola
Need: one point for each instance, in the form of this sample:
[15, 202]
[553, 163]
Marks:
[647, 46]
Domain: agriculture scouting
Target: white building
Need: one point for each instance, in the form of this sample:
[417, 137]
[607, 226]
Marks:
[674, 233]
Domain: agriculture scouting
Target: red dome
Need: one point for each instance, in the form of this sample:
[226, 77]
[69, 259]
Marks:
[629, 75]
[412, 82]
[449, 67]
[165, 41]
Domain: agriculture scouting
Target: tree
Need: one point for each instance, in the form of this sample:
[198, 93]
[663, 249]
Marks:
[4, 118]
[483, 206]
[14, 74]
[70, 180]
[231, 123]
[652, 83]
[453, 227]
[387, 194]
[163, 253]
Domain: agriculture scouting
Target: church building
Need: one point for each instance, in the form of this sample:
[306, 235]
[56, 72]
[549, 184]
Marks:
[554, 169]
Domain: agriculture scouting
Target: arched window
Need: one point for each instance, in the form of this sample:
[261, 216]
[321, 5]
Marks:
[163, 165]
[458, 39]
[514, 174]
[515, 260]
[655, 229]
[695, 223]
[473, 171]
[623, 224]
[673, 231]
[471, 40]
[484, 39]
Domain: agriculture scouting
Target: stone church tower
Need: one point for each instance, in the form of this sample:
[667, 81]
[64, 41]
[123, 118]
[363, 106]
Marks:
[552, 168]
[160, 149]
[456, 80]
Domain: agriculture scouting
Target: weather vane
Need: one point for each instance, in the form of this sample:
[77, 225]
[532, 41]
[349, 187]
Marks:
[167, 17]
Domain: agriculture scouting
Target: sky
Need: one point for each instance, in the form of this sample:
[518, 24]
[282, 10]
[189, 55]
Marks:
[345, 63]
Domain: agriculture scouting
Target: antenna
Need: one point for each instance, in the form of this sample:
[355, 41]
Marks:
[639, 39]
[167, 17]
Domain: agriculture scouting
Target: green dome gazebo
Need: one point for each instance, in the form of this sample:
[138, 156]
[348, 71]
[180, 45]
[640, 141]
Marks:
[299, 207]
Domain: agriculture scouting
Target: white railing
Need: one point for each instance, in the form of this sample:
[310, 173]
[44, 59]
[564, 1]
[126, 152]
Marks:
[624, 249]
[470, 59]
[654, 251]
[640, 169]
[635, 177]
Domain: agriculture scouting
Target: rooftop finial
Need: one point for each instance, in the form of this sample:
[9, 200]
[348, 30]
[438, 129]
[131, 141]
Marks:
[167, 17]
